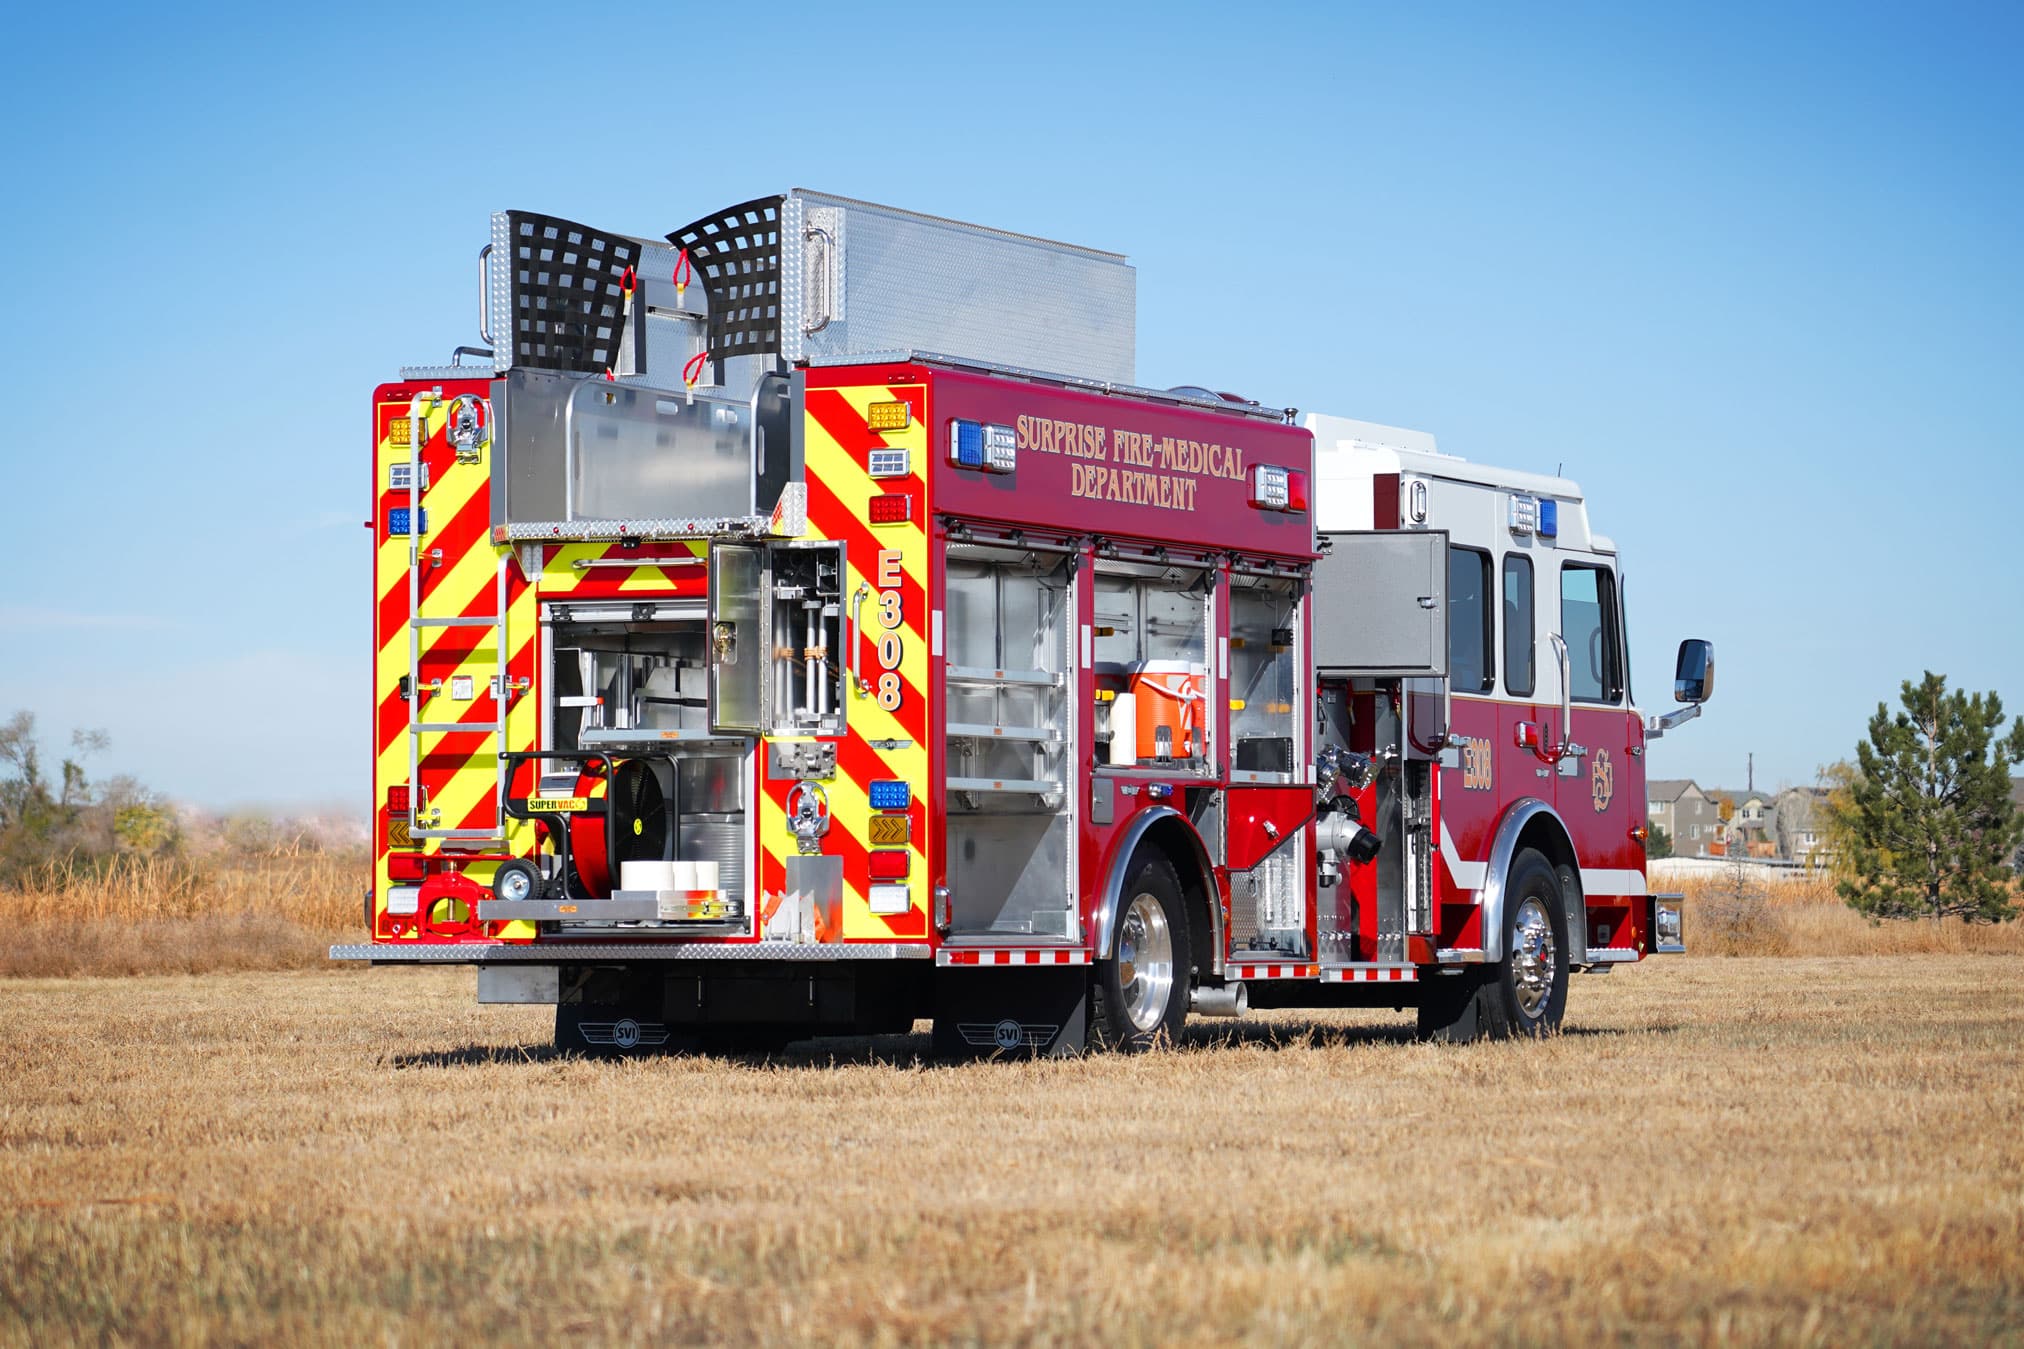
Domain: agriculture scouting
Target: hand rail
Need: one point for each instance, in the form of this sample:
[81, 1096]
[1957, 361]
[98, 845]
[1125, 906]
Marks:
[1566, 749]
[850, 639]
[485, 296]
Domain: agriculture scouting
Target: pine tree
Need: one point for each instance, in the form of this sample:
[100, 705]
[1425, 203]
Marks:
[1928, 816]
[1658, 843]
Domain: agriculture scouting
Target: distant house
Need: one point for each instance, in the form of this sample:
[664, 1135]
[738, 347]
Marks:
[1684, 811]
[1746, 822]
[1797, 826]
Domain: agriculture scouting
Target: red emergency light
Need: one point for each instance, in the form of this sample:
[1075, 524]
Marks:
[889, 864]
[1279, 489]
[891, 508]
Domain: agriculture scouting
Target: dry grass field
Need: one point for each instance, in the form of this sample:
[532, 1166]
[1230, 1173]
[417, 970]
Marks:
[283, 908]
[269, 910]
[1819, 1150]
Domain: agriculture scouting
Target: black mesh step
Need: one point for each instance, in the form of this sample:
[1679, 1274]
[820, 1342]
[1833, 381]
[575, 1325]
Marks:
[736, 254]
[568, 293]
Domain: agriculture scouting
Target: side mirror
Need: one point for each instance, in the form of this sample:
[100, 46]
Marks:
[1694, 673]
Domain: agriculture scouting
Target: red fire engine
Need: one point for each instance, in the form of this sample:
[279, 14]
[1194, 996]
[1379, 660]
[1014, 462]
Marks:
[803, 625]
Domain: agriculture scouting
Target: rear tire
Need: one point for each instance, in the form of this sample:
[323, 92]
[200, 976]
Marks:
[1139, 996]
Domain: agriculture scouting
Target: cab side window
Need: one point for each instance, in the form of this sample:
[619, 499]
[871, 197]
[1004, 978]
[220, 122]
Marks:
[1469, 667]
[1588, 620]
[1519, 679]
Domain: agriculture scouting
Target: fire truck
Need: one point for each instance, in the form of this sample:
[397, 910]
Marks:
[802, 624]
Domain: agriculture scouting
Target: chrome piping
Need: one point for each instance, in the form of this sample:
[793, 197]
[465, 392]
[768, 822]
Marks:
[1566, 692]
[1104, 920]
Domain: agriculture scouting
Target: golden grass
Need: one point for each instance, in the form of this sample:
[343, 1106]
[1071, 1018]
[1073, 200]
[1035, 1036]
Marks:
[1806, 917]
[1816, 1150]
[175, 915]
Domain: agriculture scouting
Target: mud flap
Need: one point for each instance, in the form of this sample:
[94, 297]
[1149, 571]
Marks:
[623, 1030]
[1011, 1013]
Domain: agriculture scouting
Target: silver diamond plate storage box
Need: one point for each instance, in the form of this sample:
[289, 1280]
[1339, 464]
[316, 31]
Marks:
[859, 280]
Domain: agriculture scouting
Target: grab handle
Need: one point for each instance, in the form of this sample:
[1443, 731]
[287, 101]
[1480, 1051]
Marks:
[850, 639]
[485, 295]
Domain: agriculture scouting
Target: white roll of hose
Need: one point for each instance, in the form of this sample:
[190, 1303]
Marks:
[646, 875]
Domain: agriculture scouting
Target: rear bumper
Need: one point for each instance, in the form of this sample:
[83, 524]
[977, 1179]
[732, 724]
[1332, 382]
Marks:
[601, 953]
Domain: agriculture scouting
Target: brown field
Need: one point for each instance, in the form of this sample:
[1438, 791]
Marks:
[1817, 1150]
[283, 909]
[185, 915]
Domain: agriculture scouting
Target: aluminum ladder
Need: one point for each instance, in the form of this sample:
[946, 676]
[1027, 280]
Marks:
[418, 435]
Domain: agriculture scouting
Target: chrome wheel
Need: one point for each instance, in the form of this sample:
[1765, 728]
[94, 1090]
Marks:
[1532, 958]
[1145, 962]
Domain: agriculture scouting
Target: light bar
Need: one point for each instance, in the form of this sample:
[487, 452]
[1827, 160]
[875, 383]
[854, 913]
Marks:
[895, 416]
[1001, 449]
[1278, 489]
[993, 449]
[888, 463]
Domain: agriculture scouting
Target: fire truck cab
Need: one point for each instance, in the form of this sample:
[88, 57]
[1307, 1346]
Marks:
[802, 624]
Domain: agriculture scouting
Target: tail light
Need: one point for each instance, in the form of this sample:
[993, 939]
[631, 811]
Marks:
[889, 864]
[1279, 489]
[397, 799]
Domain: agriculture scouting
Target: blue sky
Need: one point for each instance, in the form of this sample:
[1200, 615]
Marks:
[1751, 274]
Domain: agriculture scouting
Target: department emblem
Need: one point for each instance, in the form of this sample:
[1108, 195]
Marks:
[1602, 781]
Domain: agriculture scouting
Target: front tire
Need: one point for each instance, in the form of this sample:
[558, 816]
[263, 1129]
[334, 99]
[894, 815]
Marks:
[1526, 992]
[1140, 994]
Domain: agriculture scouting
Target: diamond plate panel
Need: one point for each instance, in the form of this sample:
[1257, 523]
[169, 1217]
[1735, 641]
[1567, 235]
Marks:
[903, 281]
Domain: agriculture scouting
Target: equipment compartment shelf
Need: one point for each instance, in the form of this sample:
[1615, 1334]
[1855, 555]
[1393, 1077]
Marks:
[977, 730]
[1029, 786]
[977, 674]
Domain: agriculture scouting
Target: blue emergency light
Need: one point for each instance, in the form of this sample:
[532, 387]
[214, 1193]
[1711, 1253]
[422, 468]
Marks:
[890, 795]
[966, 444]
[1549, 518]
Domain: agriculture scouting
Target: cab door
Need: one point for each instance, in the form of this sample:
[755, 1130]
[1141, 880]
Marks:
[1599, 766]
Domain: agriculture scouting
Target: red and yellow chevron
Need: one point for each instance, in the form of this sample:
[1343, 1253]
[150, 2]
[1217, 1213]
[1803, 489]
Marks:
[888, 716]
[460, 578]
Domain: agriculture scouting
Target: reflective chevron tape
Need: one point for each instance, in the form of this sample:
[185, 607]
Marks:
[1009, 956]
[1371, 974]
[885, 586]
[1248, 972]
[458, 769]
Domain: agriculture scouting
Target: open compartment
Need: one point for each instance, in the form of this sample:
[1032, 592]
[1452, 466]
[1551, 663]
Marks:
[1009, 817]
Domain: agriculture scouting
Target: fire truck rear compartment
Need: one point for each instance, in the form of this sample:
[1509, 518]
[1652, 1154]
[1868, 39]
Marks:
[624, 676]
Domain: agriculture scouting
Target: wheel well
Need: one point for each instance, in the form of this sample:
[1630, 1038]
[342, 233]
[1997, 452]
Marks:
[1544, 835]
[1183, 851]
